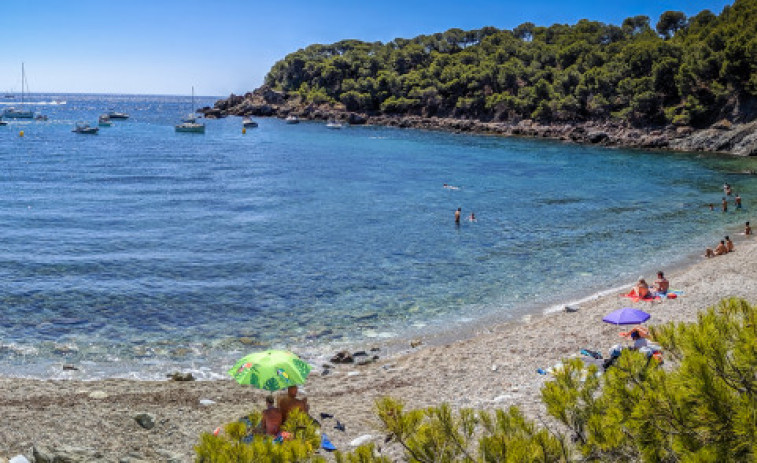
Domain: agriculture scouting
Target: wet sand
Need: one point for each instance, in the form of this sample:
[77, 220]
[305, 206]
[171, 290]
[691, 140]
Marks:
[495, 367]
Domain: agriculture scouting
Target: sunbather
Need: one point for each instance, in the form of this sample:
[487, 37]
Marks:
[661, 285]
[290, 401]
[641, 290]
[272, 418]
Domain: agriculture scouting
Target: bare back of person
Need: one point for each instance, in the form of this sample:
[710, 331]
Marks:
[272, 419]
[290, 401]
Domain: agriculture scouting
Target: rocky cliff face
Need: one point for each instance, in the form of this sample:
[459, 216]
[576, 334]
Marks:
[725, 137]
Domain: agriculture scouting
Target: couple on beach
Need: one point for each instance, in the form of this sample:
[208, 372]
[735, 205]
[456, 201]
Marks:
[643, 291]
[273, 416]
[724, 247]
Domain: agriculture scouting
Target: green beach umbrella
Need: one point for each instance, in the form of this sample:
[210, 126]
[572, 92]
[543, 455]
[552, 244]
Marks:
[270, 370]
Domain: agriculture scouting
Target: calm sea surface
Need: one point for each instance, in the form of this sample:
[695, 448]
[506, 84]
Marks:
[140, 251]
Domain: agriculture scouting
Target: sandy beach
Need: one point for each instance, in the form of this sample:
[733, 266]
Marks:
[496, 367]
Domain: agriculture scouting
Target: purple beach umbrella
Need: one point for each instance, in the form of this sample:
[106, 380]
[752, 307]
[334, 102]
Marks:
[627, 316]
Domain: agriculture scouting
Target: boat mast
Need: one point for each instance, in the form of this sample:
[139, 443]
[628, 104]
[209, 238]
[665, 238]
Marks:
[23, 76]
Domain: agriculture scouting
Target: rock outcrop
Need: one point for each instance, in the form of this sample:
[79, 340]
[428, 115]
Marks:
[724, 136]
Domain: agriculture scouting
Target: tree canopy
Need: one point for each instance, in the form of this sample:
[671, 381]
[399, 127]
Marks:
[687, 71]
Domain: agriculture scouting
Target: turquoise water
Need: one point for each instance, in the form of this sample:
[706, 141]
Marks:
[140, 251]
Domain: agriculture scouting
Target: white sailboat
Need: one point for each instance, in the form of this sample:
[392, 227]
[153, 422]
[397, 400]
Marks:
[13, 113]
[189, 123]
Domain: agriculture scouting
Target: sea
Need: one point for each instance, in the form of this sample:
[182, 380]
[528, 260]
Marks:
[140, 251]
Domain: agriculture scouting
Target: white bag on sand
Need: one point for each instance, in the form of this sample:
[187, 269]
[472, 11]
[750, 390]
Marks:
[18, 459]
[364, 439]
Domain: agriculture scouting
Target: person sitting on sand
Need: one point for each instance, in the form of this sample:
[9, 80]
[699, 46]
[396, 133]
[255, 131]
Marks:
[747, 229]
[639, 341]
[661, 284]
[709, 253]
[728, 244]
[641, 290]
[721, 249]
[272, 418]
[290, 401]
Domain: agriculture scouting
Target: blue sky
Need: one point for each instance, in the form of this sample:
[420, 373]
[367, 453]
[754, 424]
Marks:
[225, 46]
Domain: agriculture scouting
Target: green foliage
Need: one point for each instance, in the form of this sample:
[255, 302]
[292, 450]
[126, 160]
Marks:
[560, 72]
[239, 443]
[703, 410]
[436, 434]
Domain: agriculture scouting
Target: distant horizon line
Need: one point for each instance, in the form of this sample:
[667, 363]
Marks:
[119, 94]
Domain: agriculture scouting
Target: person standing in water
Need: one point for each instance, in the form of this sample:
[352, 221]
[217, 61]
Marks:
[457, 215]
[725, 205]
[747, 229]
[737, 201]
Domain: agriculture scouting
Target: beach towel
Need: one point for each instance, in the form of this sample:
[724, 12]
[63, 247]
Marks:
[648, 297]
[591, 353]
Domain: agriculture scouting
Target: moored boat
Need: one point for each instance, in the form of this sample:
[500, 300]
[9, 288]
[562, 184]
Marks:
[104, 121]
[249, 123]
[334, 124]
[84, 128]
[189, 124]
[292, 120]
[117, 115]
[13, 113]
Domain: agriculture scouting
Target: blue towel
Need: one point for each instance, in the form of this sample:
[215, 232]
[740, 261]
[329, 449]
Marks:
[326, 444]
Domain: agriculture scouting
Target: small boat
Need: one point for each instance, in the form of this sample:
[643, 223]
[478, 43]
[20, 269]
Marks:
[188, 124]
[104, 121]
[117, 115]
[333, 124]
[249, 123]
[2, 123]
[84, 128]
[13, 113]
[190, 127]
[292, 120]
[40, 117]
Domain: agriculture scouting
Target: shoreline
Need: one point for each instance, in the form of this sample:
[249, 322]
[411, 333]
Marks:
[723, 137]
[495, 367]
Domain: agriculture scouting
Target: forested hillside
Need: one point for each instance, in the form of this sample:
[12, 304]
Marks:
[673, 70]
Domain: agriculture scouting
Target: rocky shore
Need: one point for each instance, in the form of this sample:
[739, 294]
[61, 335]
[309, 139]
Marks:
[722, 137]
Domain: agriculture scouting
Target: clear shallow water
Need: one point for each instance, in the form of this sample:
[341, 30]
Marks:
[140, 251]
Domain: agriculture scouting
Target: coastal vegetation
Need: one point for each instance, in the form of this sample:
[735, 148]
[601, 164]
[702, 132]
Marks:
[676, 70]
[701, 405]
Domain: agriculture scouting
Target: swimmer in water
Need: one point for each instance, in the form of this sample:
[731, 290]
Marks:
[450, 187]
[472, 217]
